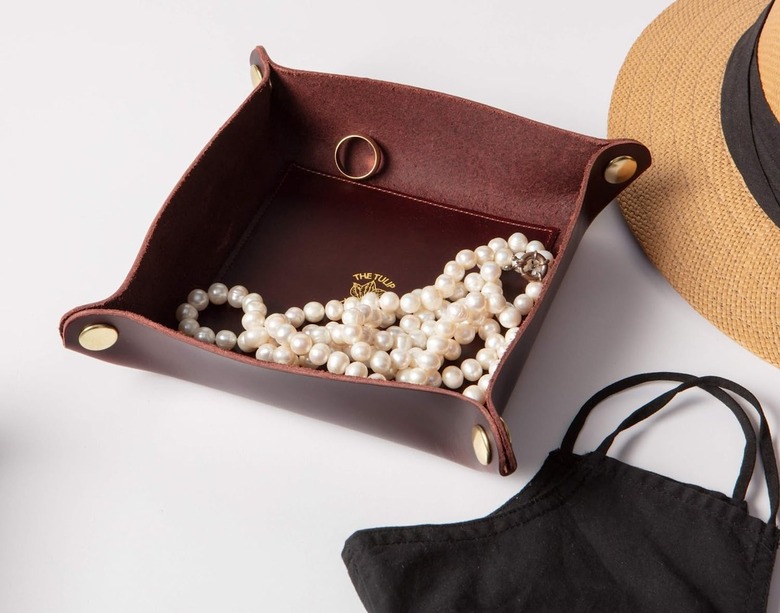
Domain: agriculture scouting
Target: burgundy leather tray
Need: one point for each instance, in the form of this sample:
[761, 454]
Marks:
[264, 206]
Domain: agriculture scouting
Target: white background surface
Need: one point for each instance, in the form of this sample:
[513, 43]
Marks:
[127, 491]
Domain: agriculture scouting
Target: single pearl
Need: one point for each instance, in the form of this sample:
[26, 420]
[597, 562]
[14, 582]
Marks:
[445, 328]
[476, 394]
[353, 317]
[254, 306]
[377, 376]
[337, 362]
[320, 335]
[495, 341]
[218, 293]
[383, 340]
[431, 298]
[466, 258]
[186, 311]
[388, 319]
[460, 292]
[489, 327]
[254, 320]
[314, 311]
[454, 270]
[284, 355]
[510, 317]
[483, 383]
[236, 295]
[477, 317]
[464, 334]
[334, 309]
[511, 334]
[360, 351]
[253, 297]
[319, 354]
[283, 333]
[496, 303]
[381, 362]
[337, 334]
[484, 254]
[250, 340]
[428, 360]
[403, 341]
[524, 303]
[351, 334]
[503, 257]
[497, 243]
[452, 377]
[437, 345]
[457, 312]
[533, 289]
[409, 323]
[189, 326]
[417, 376]
[534, 246]
[453, 350]
[473, 282]
[300, 343]
[486, 357]
[389, 302]
[225, 339]
[419, 338]
[446, 285]
[265, 352]
[295, 316]
[356, 369]
[493, 368]
[273, 321]
[472, 370]
[475, 300]
[351, 303]
[434, 378]
[424, 315]
[428, 327]
[400, 358]
[492, 287]
[410, 303]
[547, 255]
[371, 299]
[198, 298]
[517, 242]
[205, 335]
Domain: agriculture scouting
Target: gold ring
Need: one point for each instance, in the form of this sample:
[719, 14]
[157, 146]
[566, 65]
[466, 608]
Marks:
[374, 147]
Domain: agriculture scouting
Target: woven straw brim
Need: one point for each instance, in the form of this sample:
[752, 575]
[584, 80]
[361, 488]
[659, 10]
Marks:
[691, 211]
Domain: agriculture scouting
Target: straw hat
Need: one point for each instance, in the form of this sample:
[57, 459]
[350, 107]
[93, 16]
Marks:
[708, 212]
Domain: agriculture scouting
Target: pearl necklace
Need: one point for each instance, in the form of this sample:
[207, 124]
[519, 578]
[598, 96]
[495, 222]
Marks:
[361, 338]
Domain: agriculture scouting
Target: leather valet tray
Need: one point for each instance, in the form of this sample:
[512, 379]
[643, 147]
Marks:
[264, 206]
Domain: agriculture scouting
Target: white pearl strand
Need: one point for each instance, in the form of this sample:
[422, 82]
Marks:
[406, 338]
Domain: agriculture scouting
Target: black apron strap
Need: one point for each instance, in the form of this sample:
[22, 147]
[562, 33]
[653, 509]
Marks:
[715, 386]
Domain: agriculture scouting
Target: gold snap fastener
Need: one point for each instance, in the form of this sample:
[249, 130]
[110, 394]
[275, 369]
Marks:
[340, 155]
[98, 337]
[620, 170]
[481, 444]
[255, 74]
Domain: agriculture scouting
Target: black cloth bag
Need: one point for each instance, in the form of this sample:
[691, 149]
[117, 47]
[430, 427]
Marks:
[589, 533]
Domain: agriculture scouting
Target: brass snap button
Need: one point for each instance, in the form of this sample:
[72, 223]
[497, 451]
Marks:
[481, 444]
[98, 337]
[620, 170]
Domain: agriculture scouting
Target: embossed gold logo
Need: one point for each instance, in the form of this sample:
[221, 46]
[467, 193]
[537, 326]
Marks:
[366, 282]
